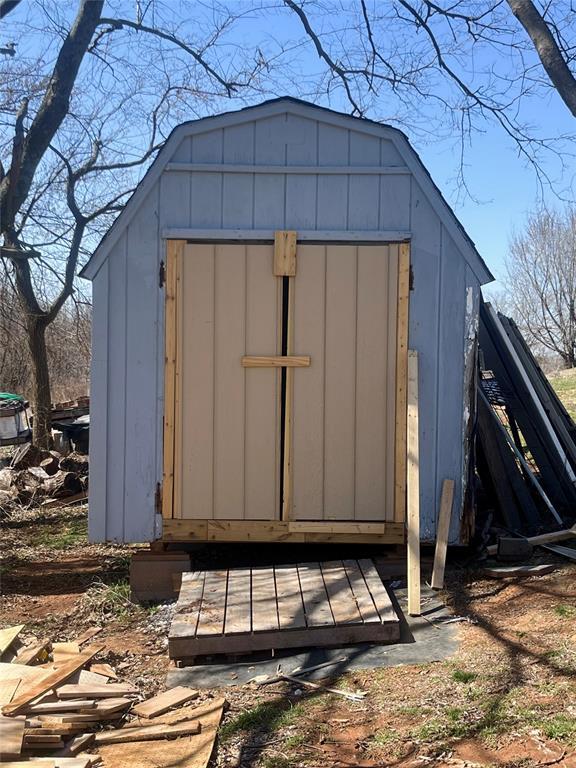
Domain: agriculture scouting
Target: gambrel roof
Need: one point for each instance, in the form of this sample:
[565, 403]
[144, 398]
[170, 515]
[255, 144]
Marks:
[302, 109]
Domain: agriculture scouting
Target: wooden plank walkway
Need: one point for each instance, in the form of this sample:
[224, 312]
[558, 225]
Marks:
[243, 610]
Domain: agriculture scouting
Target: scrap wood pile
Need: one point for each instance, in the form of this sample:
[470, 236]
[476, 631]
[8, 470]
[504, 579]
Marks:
[36, 476]
[526, 447]
[62, 709]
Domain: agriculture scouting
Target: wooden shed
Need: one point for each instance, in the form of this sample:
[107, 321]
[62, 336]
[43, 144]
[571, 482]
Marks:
[253, 308]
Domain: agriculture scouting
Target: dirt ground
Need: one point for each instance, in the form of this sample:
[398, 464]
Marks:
[507, 698]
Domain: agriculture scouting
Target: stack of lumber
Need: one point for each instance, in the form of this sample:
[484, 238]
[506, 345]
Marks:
[526, 440]
[62, 709]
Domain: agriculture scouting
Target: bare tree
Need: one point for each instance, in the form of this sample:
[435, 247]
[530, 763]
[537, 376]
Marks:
[448, 69]
[90, 111]
[541, 285]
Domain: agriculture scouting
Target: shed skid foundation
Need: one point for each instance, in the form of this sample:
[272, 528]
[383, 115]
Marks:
[152, 574]
[327, 532]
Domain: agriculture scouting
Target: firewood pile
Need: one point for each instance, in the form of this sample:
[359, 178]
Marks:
[63, 709]
[37, 476]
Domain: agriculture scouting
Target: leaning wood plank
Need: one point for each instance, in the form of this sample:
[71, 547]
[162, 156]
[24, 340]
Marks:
[543, 538]
[442, 534]
[95, 691]
[193, 752]
[51, 680]
[147, 733]
[8, 635]
[157, 705]
[11, 735]
[276, 361]
[285, 253]
[413, 487]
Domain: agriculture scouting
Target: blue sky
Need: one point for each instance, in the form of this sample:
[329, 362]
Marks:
[503, 189]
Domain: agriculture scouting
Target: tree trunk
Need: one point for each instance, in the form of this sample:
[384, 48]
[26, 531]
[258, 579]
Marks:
[41, 396]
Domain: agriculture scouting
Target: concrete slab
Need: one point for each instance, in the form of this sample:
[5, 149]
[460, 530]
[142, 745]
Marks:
[423, 639]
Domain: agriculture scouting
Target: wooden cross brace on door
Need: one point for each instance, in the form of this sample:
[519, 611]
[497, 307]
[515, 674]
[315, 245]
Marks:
[284, 267]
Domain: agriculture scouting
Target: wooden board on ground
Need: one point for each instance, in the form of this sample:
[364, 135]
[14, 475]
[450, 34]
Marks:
[49, 681]
[519, 570]
[50, 762]
[88, 691]
[8, 635]
[147, 733]
[160, 704]
[193, 752]
[11, 736]
[335, 603]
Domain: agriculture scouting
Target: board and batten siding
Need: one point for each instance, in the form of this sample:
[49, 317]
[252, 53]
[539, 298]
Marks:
[128, 358]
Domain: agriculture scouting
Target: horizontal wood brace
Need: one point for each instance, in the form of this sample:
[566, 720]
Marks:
[321, 236]
[281, 530]
[333, 526]
[362, 170]
[276, 361]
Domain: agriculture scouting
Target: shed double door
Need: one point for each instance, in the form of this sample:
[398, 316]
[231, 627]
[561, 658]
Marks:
[253, 439]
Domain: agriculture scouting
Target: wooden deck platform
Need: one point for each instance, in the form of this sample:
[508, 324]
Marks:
[239, 611]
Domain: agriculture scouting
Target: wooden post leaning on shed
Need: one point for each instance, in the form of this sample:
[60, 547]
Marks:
[413, 487]
[442, 534]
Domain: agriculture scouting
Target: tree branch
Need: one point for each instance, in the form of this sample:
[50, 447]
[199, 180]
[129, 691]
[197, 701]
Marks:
[230, 87]
[52, 111]
[547, 49]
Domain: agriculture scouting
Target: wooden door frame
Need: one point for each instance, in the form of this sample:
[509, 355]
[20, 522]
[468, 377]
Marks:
[175, 528]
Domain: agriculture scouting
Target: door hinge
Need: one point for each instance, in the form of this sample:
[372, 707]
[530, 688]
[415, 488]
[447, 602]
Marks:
[411, 279]
[162, 274]
[158, 499]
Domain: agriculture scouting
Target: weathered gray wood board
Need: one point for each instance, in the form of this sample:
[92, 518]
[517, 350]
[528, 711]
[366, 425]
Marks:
[309, 604]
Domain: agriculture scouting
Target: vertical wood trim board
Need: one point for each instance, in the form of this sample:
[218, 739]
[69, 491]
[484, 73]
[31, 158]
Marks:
[401, 380]
[288, 442]
[174, 249]
[442, 534]
[413, 487]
